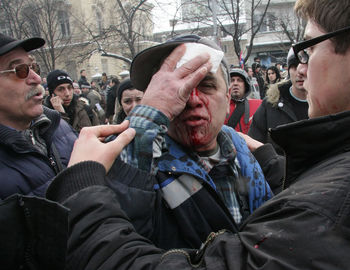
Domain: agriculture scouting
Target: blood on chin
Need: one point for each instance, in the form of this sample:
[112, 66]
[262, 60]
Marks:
[195, 137]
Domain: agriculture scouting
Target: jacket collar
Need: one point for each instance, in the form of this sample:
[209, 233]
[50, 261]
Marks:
[310, 141]
[177, 159]
[14, 139]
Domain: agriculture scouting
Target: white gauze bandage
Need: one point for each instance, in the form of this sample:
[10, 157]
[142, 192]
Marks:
[194, 49]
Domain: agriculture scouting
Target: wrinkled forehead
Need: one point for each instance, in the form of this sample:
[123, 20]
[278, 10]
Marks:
[16, 56]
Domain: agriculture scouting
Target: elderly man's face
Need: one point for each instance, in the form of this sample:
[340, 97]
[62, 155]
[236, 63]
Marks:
[20, 99]
[326, 76]
[199, 123]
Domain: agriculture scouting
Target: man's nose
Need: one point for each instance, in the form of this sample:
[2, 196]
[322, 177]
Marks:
[302, 70]
[194, 99]
[33, 77]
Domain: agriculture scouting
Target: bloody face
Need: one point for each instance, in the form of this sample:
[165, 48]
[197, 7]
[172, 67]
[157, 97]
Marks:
[199, 123]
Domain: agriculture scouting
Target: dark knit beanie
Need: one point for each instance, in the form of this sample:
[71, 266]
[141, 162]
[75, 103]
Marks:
[124, 85]
[56, 78]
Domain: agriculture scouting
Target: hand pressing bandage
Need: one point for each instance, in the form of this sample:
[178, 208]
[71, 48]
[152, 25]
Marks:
[194, 49]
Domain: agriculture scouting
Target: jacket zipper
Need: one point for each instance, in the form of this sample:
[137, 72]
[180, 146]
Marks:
[32, 137]
[52, 162]
[199, 253]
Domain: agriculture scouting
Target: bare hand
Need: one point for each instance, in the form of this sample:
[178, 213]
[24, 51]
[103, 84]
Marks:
[89, 146]
[57, 102]
[252, 143]
[170, 88]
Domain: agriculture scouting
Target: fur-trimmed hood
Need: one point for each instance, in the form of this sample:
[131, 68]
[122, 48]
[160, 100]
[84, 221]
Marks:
[273, 93]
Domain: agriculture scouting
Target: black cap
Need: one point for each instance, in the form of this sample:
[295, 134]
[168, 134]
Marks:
[56, 78]
[8, 44]
[147, 62]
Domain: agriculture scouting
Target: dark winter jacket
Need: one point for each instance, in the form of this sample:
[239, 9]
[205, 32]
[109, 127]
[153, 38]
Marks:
[261, 84]
[274, 111]
[23, 168]
[78, 114]
[154, 212]
[111, 99]
[220, 197]
[83, 80]
[33, 233]
[306, 226]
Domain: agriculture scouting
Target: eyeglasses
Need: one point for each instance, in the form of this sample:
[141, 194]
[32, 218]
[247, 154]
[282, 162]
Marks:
[299, 48]
[36, 68]
[22, 70]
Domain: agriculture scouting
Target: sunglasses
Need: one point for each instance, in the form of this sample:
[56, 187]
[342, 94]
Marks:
[299, 48]
[22, 70]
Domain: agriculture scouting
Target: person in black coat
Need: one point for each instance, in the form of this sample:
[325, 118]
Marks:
[256, 73]
[111, 99]
[284, 103]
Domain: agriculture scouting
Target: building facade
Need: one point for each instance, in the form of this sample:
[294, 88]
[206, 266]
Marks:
[81, 34]
[279, 28]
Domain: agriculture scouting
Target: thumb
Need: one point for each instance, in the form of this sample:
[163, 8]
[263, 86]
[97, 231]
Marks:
[123, 139]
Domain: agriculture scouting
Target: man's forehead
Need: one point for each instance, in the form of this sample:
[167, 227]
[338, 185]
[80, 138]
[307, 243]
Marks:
[312, 30]
[18, 55]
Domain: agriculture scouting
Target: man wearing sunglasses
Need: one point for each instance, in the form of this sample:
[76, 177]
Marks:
[35, 143]
[306, 226]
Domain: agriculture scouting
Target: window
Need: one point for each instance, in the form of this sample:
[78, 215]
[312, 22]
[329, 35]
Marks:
[71, 68]
[63, 21]
[99, 20]
[271, 22]
[268, 24]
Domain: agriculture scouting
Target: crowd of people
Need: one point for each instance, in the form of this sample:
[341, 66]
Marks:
[83, 104]
[195, 174]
